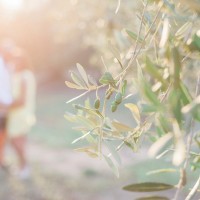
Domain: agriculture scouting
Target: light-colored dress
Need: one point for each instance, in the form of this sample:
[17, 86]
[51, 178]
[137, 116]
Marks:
[21, 119]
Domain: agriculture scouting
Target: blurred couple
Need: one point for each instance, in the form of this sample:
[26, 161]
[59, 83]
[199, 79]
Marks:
[17, 104]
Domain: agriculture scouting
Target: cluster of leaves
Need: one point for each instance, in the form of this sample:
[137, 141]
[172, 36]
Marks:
[166, 48]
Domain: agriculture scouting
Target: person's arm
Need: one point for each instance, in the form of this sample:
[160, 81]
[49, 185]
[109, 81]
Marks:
[22, 97]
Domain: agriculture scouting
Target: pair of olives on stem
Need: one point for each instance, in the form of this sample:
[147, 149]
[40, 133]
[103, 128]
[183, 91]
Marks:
[115, 103]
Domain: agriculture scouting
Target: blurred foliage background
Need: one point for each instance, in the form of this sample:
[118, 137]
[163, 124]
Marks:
[57, 34]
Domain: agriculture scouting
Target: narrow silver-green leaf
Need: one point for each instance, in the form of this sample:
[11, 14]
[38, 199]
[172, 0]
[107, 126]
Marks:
[153, 70]
[113, 152]
[148, 187]
[83, 73]
[183, 29]
[92, 80]
[70, 117]
[112, 165]
[159, 144]
[158, 171]
[186, 96]
[177, 66]
[180, 148]
[153, 198]
[89, 110]
[78, 80]
[134, 36]
[146, 108]
[134, 110]
[91, 151]
[165, 33]
[119, 126]
[74, 86]
[149, 94]
[115, 52]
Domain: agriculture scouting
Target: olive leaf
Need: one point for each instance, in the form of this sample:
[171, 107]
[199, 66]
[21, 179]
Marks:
[182, 30]
[74, 86]
[153, 70]
[119, 126]
[159, 144]
[91, 151]
[153, 198]
[113, 152]
[161, 171]
[150, 95]
[134, 110]
[83, 74]
[107, 79]
[176, 66]
[78, 80]
[116, 54]
[112, 165]
[148, 187]
[134, 36]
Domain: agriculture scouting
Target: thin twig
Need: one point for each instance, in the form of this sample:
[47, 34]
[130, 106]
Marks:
[194, 190]
[188, 147]
[87, 91]
[139, 50]
[140, 28]
[77, 97]
[135, 52]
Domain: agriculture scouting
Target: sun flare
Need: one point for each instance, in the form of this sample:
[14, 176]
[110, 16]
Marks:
[11, 4]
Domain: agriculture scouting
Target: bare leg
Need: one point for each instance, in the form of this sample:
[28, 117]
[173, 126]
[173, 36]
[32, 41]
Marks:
[19, 144]
[2, 145]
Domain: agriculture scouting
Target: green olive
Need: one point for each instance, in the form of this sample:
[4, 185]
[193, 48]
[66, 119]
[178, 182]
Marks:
[113, 107]
[118, 98]
[97, 103]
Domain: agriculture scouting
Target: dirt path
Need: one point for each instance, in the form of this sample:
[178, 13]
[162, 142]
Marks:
[61, 174]
[63, 161]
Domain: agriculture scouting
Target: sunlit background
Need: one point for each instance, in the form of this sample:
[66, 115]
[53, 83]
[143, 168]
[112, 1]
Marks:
[12, 5]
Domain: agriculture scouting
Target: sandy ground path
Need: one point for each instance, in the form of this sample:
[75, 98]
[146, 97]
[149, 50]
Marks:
[62, 174]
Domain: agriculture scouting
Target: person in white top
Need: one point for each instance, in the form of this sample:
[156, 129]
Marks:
[21, 115]
[5, 102]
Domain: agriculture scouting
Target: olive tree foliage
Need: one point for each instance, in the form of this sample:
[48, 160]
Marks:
[161, 66]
